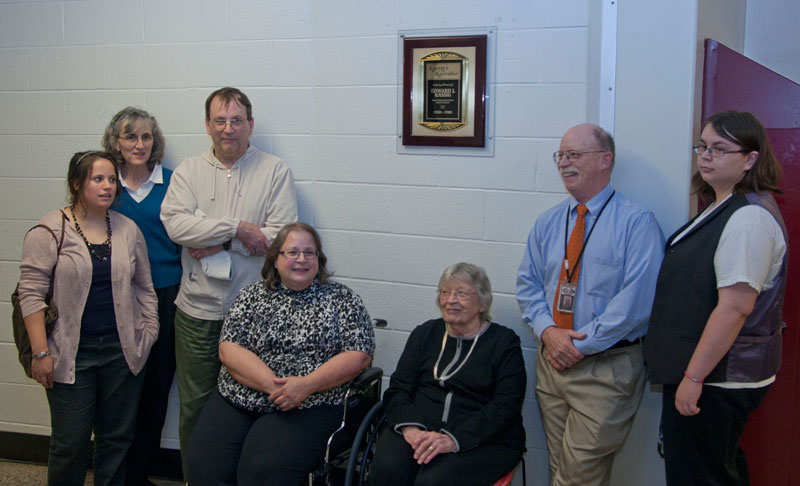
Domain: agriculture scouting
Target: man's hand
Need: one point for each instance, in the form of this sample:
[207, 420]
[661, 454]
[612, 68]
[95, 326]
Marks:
[198, 253]
[252, 238]
[559, 350]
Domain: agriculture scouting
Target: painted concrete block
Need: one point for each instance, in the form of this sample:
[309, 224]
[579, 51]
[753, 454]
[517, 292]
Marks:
[146, 66]
[271, 19]
[13, 68]
[34, 113]
[239, 64]
[67, 68]
[27, 25]
[102, 22]
[90, 111]
[293, 62]
[347, 18]
[185, 21]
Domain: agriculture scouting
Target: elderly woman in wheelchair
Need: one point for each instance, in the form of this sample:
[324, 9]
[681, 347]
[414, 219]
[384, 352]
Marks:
[453, 406]
[289, 345]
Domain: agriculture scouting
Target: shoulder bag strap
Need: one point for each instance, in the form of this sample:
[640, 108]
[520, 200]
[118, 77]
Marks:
[59, 244]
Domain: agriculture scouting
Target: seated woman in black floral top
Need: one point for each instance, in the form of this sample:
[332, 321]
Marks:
[289, 345]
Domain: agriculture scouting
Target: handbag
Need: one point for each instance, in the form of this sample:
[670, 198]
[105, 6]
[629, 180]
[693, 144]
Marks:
[21, 337]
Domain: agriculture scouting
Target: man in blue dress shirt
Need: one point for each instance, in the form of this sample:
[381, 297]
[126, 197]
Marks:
[589, 314]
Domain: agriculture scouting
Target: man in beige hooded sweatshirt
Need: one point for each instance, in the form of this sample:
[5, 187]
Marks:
[224, 206]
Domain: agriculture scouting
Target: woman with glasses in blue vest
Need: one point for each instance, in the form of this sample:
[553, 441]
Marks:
[134, 138]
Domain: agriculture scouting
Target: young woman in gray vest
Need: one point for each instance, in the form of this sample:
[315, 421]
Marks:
[714, 340]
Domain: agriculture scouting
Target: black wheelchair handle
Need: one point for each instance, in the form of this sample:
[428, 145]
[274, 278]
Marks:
[366, 377]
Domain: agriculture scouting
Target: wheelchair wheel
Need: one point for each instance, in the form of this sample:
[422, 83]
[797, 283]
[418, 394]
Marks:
[363, 447]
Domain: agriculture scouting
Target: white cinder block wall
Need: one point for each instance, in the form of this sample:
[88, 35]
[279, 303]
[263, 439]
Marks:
[322, 76]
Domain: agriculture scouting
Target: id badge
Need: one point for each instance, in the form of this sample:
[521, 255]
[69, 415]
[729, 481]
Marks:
[567, 293]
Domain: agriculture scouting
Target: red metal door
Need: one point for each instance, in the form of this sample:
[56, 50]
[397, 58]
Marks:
[734, 82]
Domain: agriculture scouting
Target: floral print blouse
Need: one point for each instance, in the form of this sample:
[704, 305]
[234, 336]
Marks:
[294, 333]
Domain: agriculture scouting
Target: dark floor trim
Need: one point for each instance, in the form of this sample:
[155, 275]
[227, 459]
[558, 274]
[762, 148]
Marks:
[33, 448]
[24, 447]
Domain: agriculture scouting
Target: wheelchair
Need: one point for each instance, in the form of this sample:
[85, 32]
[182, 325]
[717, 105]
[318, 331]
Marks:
[363, 448]
[351, 447]
[363, 393]
[348, 464]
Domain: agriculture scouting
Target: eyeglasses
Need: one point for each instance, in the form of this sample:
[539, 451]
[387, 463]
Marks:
[295, 254]
[133, 139]
[460, 294]
[715, 151]
[573, 155]
[221, 123]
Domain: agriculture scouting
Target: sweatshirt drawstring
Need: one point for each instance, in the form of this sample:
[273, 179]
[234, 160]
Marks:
[214, 184]
[219, 166]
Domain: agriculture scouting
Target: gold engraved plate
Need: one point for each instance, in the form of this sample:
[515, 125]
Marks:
[444, 80]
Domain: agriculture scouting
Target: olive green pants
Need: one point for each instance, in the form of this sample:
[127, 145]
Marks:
[197, 368]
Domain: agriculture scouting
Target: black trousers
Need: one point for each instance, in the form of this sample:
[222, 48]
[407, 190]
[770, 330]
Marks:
[703, 449]
[394, 464]
[232, 446]
[152, 411]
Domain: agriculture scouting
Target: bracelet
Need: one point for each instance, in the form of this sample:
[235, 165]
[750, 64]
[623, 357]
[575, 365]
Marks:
[695, 380]
[41, 355]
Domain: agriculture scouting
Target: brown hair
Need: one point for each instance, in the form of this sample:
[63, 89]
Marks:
[226, 95]
[270, 273]
[745, 130]
[80, 170]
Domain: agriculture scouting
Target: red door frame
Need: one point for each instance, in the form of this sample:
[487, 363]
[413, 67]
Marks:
[732, 81]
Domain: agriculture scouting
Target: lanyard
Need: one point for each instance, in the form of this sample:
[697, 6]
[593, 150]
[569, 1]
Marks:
[445, 375]
[585, 242]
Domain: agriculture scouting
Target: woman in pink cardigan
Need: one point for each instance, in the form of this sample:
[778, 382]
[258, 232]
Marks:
[90, 365]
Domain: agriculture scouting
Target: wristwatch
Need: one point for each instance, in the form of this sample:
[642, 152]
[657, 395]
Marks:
[227, 245]
[41, 355]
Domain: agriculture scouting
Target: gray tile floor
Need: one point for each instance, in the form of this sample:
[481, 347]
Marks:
[25, 474]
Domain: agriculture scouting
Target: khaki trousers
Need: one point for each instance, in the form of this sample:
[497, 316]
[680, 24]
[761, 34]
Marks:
[587, 411]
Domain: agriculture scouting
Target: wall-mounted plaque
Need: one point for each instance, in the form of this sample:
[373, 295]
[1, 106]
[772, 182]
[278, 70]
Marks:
[444, 91]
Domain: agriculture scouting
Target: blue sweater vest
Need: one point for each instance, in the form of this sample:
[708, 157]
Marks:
[164, 255]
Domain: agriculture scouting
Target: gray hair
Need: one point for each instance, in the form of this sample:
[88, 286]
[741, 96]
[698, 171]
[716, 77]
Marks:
[606, 142]
[125, 118]
[473, 275]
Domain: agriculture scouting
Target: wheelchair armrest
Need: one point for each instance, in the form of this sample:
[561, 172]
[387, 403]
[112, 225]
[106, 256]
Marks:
[366, 378]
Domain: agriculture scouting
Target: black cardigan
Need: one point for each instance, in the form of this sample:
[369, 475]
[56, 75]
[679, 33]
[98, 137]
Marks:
[487, 393]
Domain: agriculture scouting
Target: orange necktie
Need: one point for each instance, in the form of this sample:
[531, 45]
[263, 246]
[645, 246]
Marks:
[563, 319]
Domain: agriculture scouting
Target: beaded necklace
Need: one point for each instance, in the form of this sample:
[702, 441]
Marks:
[101, 251]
